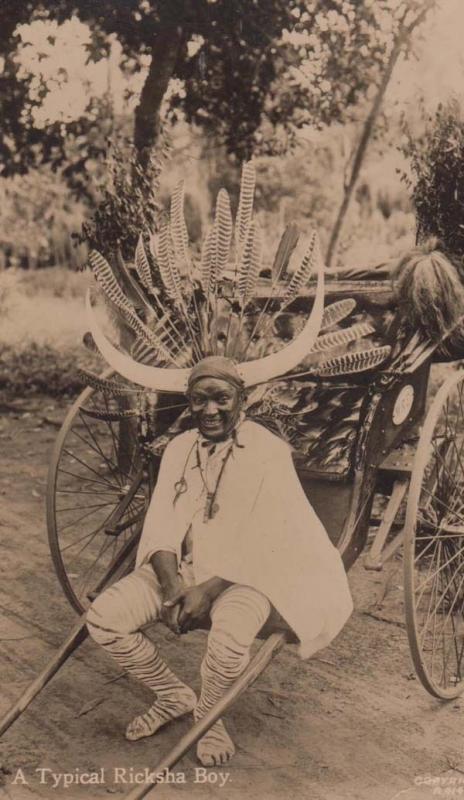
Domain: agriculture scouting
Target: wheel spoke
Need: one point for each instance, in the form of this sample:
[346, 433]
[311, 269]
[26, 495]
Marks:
[434, 545]
[431, 600]
[442, 567]
[93, 505]
[97, 450]
[86, 465]
[442, 503]
[84, 479]
[110, 464]
[97, 507]
[114, 492]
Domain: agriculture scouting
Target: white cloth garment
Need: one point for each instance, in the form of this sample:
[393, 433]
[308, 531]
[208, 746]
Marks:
[264, 534]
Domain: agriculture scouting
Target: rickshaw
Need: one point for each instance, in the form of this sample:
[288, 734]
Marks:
[356, 432]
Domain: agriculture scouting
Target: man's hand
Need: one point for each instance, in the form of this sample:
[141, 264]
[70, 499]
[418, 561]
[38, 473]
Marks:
[192, 604]
[169, 615]
[195, 602]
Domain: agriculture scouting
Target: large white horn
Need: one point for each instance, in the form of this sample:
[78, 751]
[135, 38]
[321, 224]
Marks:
[159, 379]
[276, 364]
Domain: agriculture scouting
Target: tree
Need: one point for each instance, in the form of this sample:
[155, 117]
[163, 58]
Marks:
[436, 179]
[253, 73]
[411, 16]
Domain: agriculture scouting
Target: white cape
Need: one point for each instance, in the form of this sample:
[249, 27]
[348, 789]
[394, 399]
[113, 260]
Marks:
[265, 533]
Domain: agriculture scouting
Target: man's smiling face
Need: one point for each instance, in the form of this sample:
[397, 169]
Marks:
[215, 405]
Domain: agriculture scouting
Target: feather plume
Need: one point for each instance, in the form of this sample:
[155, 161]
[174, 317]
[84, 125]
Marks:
[111, 416]
[223, 232]
[335, 312]
[144, 353]
[208, 260]
[216, 248]
[172, 282]
[168, 269]
[287, 244]
[139, 299]
[349, 363]
[179, 231]
[104, 275]
[107, 386]
[147, 353]
[337, 338]
[143, 267]
[245, 204]
[250, 263]
[300, 277]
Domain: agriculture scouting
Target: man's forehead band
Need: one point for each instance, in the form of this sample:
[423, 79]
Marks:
[217, 367]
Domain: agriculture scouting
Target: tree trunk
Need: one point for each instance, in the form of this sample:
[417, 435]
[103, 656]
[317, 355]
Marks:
[402, 39]
[165, 52]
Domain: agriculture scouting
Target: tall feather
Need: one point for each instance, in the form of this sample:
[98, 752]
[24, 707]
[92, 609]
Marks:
[168, 269]
[301, 276]
[216, 248]
[142, 267]
[208, 261]
[105, 277]
[250, 263]
[137, 294]
[112, 290]
[349, 363]
[298, 280]
[345, 336]
[287, 244]
[172, 281]
[285, 249]
[144, 353]
[245, 204]
[165, 326]
[223, 232]
[337, 311]
[179, 231]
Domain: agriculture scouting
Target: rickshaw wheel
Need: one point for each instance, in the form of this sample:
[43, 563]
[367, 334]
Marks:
[97, 493]
[434, 546]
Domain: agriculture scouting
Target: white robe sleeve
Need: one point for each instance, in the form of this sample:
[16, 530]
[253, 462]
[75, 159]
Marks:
[162, 529]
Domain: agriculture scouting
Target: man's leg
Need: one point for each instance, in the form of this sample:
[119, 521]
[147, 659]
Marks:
[114, 620]
[237, 616]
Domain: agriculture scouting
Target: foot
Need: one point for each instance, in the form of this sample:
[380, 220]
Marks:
[165, 709]
[215, 747]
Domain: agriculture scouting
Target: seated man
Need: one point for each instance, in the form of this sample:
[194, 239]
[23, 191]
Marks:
[229, 537]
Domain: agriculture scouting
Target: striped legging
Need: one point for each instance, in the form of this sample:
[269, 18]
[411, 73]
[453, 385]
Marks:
[115, 618]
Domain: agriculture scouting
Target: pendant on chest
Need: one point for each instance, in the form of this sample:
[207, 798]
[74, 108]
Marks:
[211, 507]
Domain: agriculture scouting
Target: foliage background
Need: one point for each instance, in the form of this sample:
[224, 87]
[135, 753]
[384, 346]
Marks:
[303, 145]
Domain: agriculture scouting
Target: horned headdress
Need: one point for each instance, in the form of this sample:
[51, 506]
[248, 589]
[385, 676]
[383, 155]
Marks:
[180, 310]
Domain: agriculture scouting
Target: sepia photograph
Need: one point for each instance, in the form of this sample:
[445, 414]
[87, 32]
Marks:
[231, 399]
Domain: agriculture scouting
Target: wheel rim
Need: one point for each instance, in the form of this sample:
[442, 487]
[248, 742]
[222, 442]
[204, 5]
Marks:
[96, 493]
[434, 546]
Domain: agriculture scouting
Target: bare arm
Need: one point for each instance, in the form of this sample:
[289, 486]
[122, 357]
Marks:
[164, 564]
[214, 587]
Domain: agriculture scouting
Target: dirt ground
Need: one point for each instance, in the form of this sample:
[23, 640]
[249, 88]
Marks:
[352, 723]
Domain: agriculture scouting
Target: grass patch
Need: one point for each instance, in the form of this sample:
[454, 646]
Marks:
[42, 369]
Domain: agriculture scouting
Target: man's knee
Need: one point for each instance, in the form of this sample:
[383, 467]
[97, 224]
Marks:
[125, 607]
[238, 617]
[101, 625]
